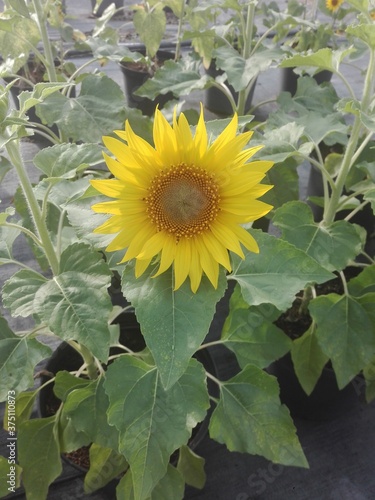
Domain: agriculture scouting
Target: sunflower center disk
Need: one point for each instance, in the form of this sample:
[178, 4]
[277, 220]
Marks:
[183, 200]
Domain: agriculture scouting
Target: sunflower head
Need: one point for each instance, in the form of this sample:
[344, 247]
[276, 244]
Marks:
[333, 5]
[183, 200]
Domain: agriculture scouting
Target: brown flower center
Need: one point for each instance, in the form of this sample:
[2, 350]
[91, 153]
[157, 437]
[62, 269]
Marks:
[183, 200]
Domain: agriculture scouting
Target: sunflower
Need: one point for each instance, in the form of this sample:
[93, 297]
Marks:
[333, 5]
[182, 201]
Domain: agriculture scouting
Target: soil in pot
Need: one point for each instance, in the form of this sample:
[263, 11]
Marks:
[326, 401]
[289, 79]
[135, 75]
[216, 101]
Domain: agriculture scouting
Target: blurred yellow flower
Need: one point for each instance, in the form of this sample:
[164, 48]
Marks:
[183, 200]
[333, 5]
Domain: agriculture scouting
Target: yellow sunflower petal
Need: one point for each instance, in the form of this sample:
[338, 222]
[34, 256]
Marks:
[110, 187]
[181, 262]
[141, 266]
[246, 239]
[216, 248]
[165, 140]
[167, 255]
[135, 247]
[208, 262]
[195, 271]
[200, 137]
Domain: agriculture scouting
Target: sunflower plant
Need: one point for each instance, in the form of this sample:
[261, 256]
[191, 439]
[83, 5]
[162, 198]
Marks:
[335, 225]
[172, 217]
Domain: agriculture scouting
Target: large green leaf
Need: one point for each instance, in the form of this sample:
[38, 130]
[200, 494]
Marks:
[173, 322]
[75, 304]
[345, 332]
[39, 456]
[253, 337]
[153, 422]
[333, 246]
[63, 160]
[308, 359]
[98, 110]
[16, 352]
[19, 292]
[249, 418]
[277, 273]
[105, 465]
[86, 407]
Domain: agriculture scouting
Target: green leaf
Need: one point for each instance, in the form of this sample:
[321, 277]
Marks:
[240, 71]
[249, 418]
[363, 283]
[25, 405]
[19, 292]
[5, 167]
[98, 110]
[323, 59]
[277, 262]
[308, 359]
[75, 304]
[5, 331]
[150, 27]
[173, 322]
[63, 160]
[17, 36]
[86, 407]
[20, 6]
[14, 353]
[39, 456]
[65, 383]
[170, 487]
[252, 336]
[7, 237]
[369, 374]
[345, 332]
[365, 32]
[105, 465]
[370, 196]
[333, 246]
[40, 92]
[191, 467]
[5, 470]
[177, 77]
[153, 422]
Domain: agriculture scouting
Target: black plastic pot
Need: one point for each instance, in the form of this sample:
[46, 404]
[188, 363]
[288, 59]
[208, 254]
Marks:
[326, 402]
[289, 79]
[135, 76]
[216, 101]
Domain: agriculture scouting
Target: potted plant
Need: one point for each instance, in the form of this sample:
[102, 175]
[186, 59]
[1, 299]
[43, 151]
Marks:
[149, 22]
[231, 47]
[335, 319]
[148, 402]
[303, 28]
